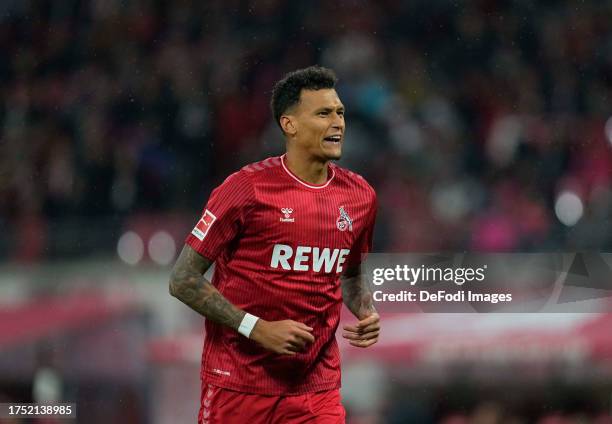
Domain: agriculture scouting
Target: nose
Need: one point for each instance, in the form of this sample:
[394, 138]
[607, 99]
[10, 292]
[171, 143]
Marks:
[338, 122]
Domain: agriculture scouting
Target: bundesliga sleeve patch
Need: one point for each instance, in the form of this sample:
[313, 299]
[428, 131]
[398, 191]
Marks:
[203, 225]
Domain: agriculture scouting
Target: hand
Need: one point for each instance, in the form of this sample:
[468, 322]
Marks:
[285, 337]
[365, 333]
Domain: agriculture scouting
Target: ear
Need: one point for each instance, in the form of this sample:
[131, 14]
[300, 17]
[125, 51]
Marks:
[288, 124]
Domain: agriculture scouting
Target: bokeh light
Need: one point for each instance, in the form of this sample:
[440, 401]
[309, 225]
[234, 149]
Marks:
[608, 130]
[162, 248]
[130, 248]
[568, 208]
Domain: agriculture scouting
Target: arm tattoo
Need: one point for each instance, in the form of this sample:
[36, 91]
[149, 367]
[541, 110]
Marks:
[356, 293]
[188, 285]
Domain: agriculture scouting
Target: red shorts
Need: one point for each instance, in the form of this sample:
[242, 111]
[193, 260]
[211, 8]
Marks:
[226, 406]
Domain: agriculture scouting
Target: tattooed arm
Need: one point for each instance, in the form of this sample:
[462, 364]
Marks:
[187, 284]
[357, 297]
[356, 293]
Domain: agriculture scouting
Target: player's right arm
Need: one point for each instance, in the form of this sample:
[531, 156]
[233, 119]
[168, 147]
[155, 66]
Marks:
[187, 283]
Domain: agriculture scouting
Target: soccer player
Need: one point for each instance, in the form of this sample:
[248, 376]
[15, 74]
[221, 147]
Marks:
[287, 235]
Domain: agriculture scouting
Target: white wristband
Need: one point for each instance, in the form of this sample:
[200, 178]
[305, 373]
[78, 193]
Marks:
[247, 324]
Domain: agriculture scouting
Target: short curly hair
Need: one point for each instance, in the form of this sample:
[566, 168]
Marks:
[286, 92]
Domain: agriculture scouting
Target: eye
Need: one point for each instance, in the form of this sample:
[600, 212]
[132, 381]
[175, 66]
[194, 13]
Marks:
[323, 113]
[341, 113]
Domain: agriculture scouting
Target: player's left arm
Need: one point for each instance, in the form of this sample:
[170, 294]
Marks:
[357, 297]
[356, 292]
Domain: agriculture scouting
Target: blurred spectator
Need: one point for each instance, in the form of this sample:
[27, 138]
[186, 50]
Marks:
[470, 119]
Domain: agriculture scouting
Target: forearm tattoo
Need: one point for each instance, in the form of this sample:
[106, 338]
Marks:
[356, 293]
[188, 284]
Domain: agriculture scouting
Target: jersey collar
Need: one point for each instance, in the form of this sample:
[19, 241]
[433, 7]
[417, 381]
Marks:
[304, 183]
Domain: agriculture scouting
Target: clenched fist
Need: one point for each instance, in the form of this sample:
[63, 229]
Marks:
[285, 337]
[365, 333]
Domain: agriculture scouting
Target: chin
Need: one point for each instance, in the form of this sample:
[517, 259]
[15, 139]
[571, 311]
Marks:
[332, 154]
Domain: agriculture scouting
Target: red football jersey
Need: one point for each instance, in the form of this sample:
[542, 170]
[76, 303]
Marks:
[280, 246]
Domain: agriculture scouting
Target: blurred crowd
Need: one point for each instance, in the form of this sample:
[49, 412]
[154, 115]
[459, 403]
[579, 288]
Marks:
[483, 125]
[505, 403]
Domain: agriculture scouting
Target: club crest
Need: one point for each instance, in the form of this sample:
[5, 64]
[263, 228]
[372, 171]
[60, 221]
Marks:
[344, 221]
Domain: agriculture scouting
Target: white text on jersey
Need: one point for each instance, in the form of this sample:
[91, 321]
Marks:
[305, 256]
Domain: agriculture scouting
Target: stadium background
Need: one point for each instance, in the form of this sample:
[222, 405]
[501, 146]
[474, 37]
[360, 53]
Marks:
[483, 125]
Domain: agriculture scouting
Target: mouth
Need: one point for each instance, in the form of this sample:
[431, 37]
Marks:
[335, 139]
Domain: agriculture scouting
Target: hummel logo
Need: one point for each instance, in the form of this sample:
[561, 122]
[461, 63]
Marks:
[287, 215]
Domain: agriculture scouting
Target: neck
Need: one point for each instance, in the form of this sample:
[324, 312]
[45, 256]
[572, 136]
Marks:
[308, 169]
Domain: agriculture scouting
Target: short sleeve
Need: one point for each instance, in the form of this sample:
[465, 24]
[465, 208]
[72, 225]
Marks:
[363, 244]
[223, 216]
